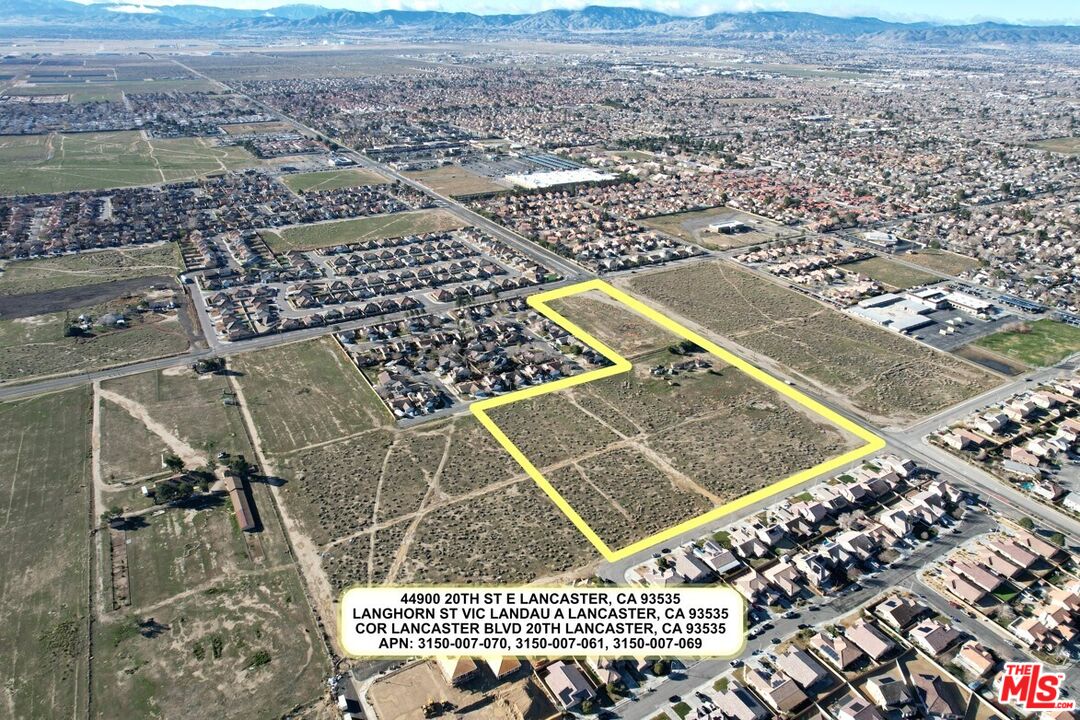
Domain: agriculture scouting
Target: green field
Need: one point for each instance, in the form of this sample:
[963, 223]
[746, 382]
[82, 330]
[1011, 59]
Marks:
[88, 268]
[893, 274]
[942, 261]
[306, 393]
[1041, 343]
[1067, 145]
[99, 91]
[369, 228]
[90, 161]
[332, 180]
[35, 346]
[44, 496]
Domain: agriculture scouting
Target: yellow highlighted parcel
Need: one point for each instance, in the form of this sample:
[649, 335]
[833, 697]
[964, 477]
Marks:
[620, 365]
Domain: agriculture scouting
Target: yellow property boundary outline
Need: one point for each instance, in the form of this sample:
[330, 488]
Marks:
[621, 365]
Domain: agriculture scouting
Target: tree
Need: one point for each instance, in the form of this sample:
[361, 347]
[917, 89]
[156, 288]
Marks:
[111, 513]
[174, 463]
[1058, 539]
[1026, 523]
[239, 466]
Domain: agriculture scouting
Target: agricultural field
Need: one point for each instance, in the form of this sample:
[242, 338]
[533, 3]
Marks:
[691, 227]
[92, 161]
[941, 261]
[332, 180]
[35, 346]
[618, 327]
[455, 181]
[88, 268]
[171, 410]
[309, 237]
[44, 487]
[883, 375]
[306, 393]
[1039, 344]
[245, 644]
[1066, 145]
[683, 444]
[892, 274]
[271, 126]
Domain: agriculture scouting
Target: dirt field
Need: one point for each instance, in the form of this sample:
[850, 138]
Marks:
[880, 373]
[306, 237]
[635, 454]
[941, 261]
[44, 482]
[306, 393]
[439, 504]
[35, 346]
[174, 410]
[611, 322]
[91, 268]
[245, 645]
[453, 181]
[989, 359]
[691, 226]
[895, 275]
[521, 699]
[1067, 145]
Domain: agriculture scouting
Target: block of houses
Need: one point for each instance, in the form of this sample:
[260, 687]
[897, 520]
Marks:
[1013, 552]
[690, 566]
[458, 670]
[1037, 546]
[1019, 455]
[890, 694]
[784, 577]
[961, 588]
[870, 639]
[718, 558]
[503, 667]
[1032, 632]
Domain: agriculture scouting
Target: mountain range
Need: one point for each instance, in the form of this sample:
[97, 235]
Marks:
[62, 18]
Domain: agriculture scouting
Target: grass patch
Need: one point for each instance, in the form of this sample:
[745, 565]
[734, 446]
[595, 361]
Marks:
[332, 180]
[942, 261]
[895, 275]
[88, 268]
[453, 180]
[1041, 343]
[306, 237]
[681, 709]
[91, 161]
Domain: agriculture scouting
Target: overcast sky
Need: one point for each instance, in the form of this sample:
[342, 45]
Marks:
[1030, 11]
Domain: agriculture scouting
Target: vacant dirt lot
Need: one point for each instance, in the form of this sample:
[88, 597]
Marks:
[886, 376]
[611, 322]
[306, 393]
[637, 453]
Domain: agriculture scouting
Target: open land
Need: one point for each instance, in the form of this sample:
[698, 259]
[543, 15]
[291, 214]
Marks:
[454, 181]
[61, 163]
[36, 346]
[637, 453]
[178, 410]
[306, 393]
[332, 180]
[894, 275]
[878, 372]
[44, 481]
[942, 261]
[47, 274]
[1067, 145]
[1040, 343]
[370, 228]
